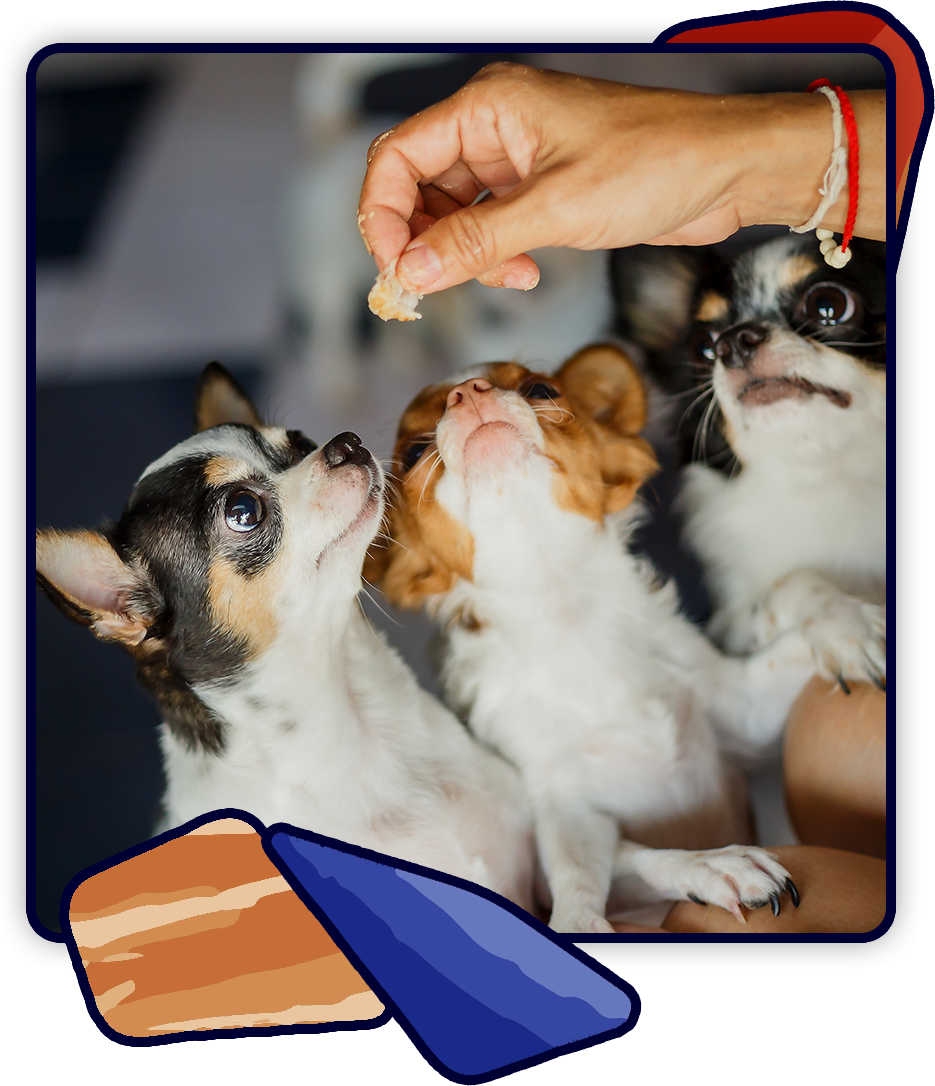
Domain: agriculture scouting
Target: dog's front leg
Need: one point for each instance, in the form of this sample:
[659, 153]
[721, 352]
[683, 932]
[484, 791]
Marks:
[576, 848]
[846, 634]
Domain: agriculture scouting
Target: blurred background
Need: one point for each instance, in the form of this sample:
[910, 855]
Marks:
[198, 206]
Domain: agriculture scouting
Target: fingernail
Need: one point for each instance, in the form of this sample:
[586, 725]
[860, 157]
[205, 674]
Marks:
[418, 268]
[521, 280]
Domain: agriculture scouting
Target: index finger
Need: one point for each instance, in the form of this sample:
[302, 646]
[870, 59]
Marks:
[419, 149]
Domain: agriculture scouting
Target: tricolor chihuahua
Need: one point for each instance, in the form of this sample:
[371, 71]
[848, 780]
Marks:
[232, 578]
[516, 495]
[777, 363]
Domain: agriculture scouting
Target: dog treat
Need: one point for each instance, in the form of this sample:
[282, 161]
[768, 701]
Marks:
[204, 933]
[388, 299]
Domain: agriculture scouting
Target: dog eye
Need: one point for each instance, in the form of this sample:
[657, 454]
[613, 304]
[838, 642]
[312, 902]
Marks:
[412, 453]
[702, 345]
[539, 390]
[828, 304]
[243, 511]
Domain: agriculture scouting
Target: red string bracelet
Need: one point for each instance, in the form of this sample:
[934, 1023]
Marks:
[835, 255]
[853, 156]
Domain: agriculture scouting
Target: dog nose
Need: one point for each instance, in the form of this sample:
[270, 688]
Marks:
[345, 449]
[736, 347]
[467, 390]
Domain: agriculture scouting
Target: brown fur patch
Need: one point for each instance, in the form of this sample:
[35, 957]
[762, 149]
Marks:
[604, 462]
[712, 307]
[221, 470]
[427, 550]
[797, 268]
[430, 550]
[243, 605]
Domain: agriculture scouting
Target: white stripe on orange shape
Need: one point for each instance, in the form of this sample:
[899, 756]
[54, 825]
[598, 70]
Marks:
[105, 929]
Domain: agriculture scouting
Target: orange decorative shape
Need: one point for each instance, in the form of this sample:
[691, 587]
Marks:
[203, 933]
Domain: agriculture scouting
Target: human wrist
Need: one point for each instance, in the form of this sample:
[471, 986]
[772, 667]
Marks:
[791, 140]
[788, 139]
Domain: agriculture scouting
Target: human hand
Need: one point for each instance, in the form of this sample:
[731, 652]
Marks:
[582, 163]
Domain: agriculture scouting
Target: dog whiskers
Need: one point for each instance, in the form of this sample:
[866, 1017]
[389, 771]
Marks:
[373, 600]
[438, 459]
[544, 411]
[848, 342]
[700, 444]
[822, 336]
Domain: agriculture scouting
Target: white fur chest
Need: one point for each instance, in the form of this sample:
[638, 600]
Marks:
[360, 753]
[771, 519]
[583, 679]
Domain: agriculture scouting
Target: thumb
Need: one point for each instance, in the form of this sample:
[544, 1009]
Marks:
[471, 242]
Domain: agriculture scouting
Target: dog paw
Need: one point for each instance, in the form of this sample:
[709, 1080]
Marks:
[734, 876]
[846, 634]
[848, 642]
[579, 922]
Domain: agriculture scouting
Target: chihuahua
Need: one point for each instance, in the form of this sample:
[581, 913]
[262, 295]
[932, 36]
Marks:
[779, 362]
[516, 496]
[232, 578]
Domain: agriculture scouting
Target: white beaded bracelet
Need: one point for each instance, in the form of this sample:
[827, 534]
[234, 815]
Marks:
[831, 186]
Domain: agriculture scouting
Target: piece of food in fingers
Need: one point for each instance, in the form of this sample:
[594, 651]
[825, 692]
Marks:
[389, 300]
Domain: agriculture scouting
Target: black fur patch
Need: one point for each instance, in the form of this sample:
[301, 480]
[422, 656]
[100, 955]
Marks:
[186, 716]
[172, 527]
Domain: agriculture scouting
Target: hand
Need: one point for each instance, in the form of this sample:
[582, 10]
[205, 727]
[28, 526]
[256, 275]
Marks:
[582, 163]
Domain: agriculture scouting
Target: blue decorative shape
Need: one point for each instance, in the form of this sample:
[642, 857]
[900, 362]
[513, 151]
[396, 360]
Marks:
[482, 988]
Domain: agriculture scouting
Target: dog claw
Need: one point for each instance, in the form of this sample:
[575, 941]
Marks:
[793, 892]
[774, 903]
[843, 685]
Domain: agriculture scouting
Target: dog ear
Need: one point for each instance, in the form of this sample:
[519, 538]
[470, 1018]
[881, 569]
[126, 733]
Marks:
[85, 578]
[220, 398]
[654, 289]
[602, 382]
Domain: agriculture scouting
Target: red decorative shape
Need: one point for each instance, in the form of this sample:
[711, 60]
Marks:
[840, 26]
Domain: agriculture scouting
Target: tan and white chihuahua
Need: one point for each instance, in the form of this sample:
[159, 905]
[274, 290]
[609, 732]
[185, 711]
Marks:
[232, 578]
[516, 496]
